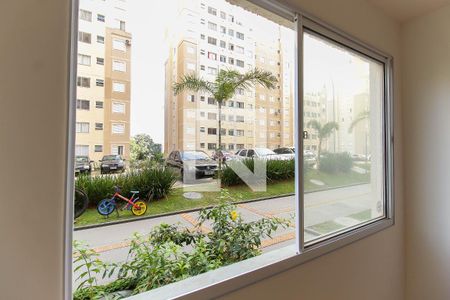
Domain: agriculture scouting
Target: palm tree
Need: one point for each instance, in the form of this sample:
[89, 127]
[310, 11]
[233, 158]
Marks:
[323, 132]
[224, 87]
[364, 115]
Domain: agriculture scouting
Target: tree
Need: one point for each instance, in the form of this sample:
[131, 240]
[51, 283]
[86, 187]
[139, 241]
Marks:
[142, 147]
[364, 115]
[224, 87]
[323, 132]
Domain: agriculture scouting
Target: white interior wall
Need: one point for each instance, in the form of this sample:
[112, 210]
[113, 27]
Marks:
[426, 110]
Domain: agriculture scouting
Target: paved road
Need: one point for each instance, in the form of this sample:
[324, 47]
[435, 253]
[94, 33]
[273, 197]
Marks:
[320, 208]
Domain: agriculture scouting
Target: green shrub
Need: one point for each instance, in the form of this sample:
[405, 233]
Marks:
[336, 163]
[152, 183]
[171, 253]
[275, 170]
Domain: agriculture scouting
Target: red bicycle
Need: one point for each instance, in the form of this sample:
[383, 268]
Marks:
[107, 206]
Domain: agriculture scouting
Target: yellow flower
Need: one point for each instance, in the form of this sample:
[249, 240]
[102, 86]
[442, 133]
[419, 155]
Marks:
[234, 215]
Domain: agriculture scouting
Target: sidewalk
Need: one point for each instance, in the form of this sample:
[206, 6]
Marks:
[324, 211]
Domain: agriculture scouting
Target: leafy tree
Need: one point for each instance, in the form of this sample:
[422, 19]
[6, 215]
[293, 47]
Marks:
[142, 147]
[224, 87]
[323, 132]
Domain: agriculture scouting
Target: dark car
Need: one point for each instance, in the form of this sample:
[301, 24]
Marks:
[83, 165]
[192, 164]
[224, 154]
[112, 163]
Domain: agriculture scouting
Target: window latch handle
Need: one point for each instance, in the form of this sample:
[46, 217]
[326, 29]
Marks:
[305, 135]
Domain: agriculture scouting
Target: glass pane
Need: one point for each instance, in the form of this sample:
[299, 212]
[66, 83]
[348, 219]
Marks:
[343, 150]
[224, 139]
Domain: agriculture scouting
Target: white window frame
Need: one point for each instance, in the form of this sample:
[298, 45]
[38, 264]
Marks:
[119, 65]
[119, 45]
[115, 86]
[216, 283]
[116, 125]
[115, 105]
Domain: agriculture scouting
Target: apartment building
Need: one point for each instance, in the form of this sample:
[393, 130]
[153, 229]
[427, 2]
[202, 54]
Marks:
[103, 80]
[212, 35]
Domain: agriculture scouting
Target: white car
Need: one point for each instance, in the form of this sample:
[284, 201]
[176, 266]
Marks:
[261, 153]
[288, 152]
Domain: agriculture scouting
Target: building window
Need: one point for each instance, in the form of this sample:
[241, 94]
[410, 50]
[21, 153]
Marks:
[239, 49]
[212, 71]
[98, 104]
[98, 148]
[212, 55]
[119, 66]
[239, 104]
[202, 52]
[212, 116]
[118, 128]
[211, 101]
[119, 44]
[82, 150]
[223, 29]
[118, 107]
[240, 35]
[240, 63]
[84, 60]
[82, 127]
[223, 15]
[100, 39]
[239, 132]
[212, 131]
[231, 60]
[230, 47]
[84, 37]
[85, 15]
[212, 41]
[212, 26]
[100, 18]
[190, 98]
[119, 87]
[223, 59]
[202, 68]
[99, 82]
[117, 150]
[202, 145]
[202, 36]
[211, 146]
[83, 82]
[240, 119]
[212, 11]
[202, 129]
[98, 126]
[231, 18]
[230, 32]
[122, 25]
[83, 104]
[190, 66]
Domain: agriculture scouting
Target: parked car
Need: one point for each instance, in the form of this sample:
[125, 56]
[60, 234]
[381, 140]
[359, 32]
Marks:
[261, 153]
[83, 165]
[286, 151]
[191, 164]
[223, 154]
[112, 163]
[309, 158]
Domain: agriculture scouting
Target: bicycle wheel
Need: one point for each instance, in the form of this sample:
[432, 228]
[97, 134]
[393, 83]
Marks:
[80, 203]
[139, 208]
[106, 207]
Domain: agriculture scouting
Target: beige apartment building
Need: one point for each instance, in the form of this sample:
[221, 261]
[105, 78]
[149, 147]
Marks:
[207, 37]
[103, 81]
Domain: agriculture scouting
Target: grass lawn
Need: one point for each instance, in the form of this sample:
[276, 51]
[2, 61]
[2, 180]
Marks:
[333, 180]
[176, 202]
